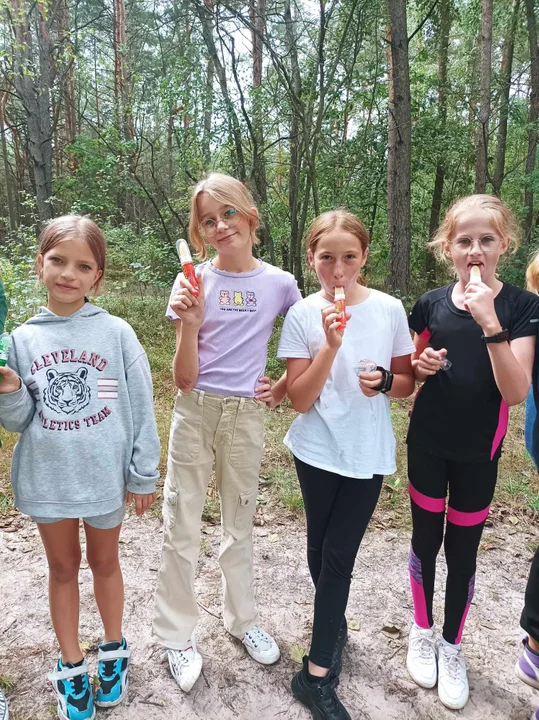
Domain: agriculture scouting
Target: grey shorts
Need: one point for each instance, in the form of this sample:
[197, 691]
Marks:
[100, 522]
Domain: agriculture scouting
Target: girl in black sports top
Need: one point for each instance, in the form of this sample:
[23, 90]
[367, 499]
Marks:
[475, 344]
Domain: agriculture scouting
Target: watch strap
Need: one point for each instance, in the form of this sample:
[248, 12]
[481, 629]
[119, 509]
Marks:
[499, 337]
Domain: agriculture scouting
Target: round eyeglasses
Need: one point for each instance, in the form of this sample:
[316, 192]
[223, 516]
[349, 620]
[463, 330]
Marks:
[487, 244]
[230, 217]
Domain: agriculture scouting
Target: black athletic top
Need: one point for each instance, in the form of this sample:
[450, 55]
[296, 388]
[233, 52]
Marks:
[459, 413]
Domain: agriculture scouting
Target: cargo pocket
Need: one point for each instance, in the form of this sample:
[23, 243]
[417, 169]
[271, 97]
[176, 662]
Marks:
[247, 443]
[186, 429]
[170, 506]
[245, 509]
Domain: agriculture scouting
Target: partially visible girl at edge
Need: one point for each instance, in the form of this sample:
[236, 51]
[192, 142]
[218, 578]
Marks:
[527, 666]
[79, 390]
[222, 331]
[486, 329]
[342, 442]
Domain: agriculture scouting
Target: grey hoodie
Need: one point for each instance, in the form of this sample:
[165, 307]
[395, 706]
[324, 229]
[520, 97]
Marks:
[85, 411]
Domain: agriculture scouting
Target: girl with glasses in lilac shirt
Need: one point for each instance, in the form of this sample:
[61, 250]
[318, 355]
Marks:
[222, 333]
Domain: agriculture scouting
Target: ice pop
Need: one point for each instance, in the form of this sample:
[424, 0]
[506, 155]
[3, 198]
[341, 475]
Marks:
[475, 273]
[340, 305]
[186, 262]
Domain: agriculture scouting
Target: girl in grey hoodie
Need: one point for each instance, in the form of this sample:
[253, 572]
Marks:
[79, 390]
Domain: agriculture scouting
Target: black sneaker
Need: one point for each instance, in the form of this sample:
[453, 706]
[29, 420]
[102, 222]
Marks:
[342, 639]
[319, 696]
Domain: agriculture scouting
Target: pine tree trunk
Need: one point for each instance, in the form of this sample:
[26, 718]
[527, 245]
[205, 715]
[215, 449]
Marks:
[533, 117]
[481, 154]
[399, 150]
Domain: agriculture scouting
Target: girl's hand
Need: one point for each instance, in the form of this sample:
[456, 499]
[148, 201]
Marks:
[10, 381]
[430, 360]
[142, 502]
[368, 381]
[479, 302]
[331, 322]
[188, 308]
[264, 392]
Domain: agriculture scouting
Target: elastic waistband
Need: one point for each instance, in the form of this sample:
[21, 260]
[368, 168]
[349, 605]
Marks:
[229, 400]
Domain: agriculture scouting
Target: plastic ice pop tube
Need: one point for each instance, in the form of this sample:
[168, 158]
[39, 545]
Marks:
[186, 261]
[340, 305]
[364, 366]
[4, 350]
[475, 273]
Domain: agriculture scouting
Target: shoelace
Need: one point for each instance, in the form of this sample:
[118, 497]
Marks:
[109, 667]
[425, 646]
[257, 636]
[452, 664]
[77, 684]
[179, 657]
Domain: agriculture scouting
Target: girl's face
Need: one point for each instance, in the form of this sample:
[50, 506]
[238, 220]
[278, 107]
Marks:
[224, 227]
[337, 260]
[476, 242]
[69, 271]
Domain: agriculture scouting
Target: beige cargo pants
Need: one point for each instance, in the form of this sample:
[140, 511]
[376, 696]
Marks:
[229, 432]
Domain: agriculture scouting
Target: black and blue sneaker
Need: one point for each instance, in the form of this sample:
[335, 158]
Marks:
[113, 658]
[72, 686]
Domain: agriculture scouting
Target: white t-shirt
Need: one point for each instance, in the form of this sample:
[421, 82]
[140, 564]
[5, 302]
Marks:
[346, 432]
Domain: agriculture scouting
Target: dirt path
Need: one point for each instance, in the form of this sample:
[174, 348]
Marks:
[374, 682]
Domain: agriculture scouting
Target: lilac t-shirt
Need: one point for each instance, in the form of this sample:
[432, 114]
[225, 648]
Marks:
[239, 312]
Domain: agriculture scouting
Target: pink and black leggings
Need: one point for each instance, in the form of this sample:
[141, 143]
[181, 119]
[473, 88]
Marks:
[471, 488]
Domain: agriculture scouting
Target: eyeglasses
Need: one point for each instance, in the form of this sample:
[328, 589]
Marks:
[230, 217]
[487, 244]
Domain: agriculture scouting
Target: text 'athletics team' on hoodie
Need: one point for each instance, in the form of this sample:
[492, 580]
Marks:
[85, 411]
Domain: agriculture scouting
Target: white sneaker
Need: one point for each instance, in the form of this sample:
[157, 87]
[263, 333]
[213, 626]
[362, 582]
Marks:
[261, 646]
[421, 658]
[453, 688]
[185, 665]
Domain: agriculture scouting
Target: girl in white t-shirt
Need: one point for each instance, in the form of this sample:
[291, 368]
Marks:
[342, 441]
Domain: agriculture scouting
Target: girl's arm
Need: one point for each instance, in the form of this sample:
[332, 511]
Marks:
[512, 366]
[190, 310]
[17, 405]
[512, 362]
[270, 394]
[403, 379]
[143, 467]
[305, 377]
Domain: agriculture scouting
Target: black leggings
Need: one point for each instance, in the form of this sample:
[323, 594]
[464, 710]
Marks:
[338, 510]
[471, 488]
[530, 615]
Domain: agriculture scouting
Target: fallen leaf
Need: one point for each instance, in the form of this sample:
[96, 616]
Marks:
[273, 538]
[513, 520]
[354, 625]
[84, 646]
[297, 653]
[209, 529]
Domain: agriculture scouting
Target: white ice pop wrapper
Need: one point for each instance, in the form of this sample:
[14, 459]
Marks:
[475, 273]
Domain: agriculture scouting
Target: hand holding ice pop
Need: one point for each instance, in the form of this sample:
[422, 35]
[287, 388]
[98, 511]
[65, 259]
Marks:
[188, 308]
[186, 262]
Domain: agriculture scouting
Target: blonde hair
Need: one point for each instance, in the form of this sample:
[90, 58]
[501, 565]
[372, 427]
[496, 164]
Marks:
[227, 191]
[499, 215]
[75, 227]
[343, 220]
[532, 274]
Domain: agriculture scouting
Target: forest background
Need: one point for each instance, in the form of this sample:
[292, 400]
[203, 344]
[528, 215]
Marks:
[115, 108]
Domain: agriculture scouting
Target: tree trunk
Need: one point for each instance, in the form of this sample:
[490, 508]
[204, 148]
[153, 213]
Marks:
[294, 173]
[533, 117]
[505, 77]
[33, 89]
[208, 113]
[481, 154]
[437, 193]
[399, 150]
[70, 116]
[257, 10]
[204, 15]
[7, 170]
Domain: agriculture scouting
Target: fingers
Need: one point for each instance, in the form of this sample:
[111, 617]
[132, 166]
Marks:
[142, 502]
[430, 360]
[129, 499]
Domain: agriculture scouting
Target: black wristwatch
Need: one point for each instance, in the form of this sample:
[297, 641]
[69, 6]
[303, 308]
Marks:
[386, 382]
[502, 336]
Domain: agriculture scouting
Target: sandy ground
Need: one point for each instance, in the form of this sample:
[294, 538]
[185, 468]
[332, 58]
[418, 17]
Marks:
[374, 682]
